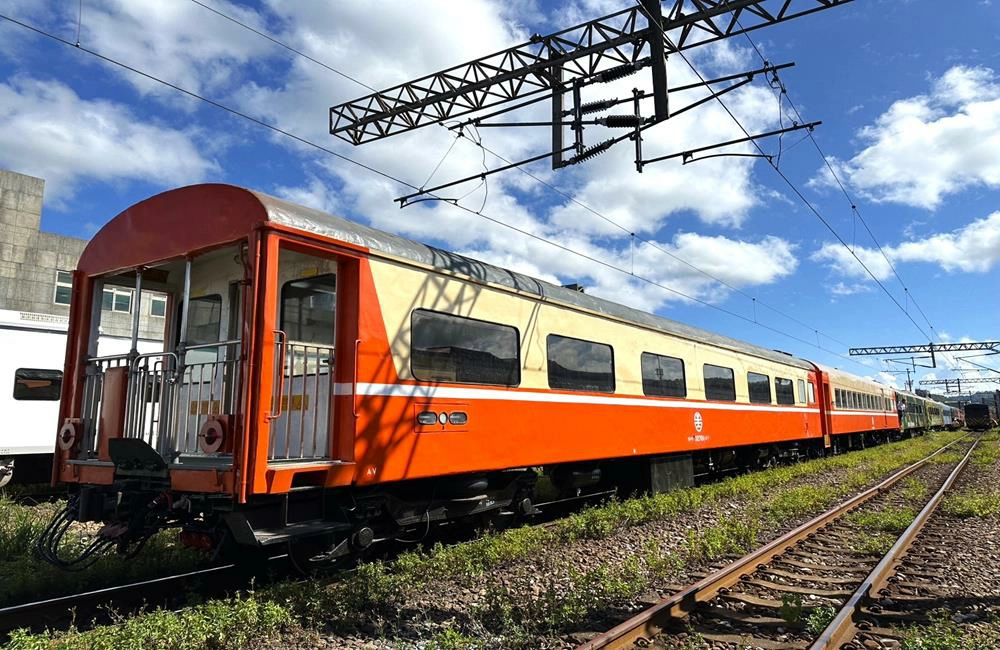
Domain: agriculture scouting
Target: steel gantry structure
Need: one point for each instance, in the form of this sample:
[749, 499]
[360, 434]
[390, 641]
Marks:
[992, 347]
[957, 382]
[562, 63]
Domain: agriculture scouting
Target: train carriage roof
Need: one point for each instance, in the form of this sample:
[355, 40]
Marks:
[200, 217]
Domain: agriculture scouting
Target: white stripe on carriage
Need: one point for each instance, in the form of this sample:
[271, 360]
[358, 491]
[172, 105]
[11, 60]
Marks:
[453, 392]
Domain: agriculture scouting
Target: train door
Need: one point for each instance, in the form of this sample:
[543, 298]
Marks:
[826, 407]
[302, 405]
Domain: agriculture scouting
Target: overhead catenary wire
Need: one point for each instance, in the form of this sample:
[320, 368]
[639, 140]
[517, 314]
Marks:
[783, 92]
[480, 213]
[477, 141]
[795, 188]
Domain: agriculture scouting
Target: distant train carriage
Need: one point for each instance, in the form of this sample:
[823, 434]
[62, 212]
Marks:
[948, 416]
[913, 409]
[977, 417]
[858, 405]
[958, 417]
[935, 414]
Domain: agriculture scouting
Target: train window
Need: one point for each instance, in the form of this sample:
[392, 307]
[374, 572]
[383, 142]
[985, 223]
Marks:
[783, 391]
[801, 385]
[662, 376]
[720, 383]
[812, 392]
[37, 384]
[455, 349]
[759, 387]
[580, 365]
[309, 309]
[204, 319]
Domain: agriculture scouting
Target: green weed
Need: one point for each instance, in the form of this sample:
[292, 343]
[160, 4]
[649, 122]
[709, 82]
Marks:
[819, 618]
[971, 503]
[791, 608]
[888, 520]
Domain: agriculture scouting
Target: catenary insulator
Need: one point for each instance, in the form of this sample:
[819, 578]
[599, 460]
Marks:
[594, 107]
[620, 72]
[590, 152]
[620, 121]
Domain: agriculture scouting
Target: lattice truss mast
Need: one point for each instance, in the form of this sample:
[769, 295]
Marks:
[558, 67]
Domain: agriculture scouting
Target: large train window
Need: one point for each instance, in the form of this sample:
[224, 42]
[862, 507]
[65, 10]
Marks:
[662, 376]
[580, 365]
[309, 309]
[783, 391]
[720, 383]
[759, 387]
[454, 349]
[37, 384]
[839, 393]
[801, 383]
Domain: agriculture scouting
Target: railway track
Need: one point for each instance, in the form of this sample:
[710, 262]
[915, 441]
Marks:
[88, 608]
[97, 605]
[764, 599]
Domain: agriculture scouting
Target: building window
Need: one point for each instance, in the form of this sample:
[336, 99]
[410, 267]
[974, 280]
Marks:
[720, 383]
[64, 288]
[759, 387]
[783, 391]
[115, 299]
[158, 306]
[662, 376]
[580, 365]
[801, 384]
[309, 309]
[454, 349]
[37, 384]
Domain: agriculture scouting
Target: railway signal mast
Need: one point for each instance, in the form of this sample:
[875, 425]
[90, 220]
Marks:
[561, 65]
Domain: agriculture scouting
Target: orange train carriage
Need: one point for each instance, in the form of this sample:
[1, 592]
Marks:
[323, 380]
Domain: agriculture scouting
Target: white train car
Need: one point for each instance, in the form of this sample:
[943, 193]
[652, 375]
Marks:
[32, 353]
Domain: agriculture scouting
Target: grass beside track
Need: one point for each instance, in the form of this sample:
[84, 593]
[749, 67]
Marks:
[26, 577]
[372, 597]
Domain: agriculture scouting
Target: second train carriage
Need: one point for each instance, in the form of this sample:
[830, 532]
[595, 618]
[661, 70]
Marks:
[324, 379]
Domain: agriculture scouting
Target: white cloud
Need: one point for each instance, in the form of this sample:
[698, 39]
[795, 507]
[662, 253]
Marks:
[47, 130]
[188, 45]
[973, 248]
[382, 53]
[844, 263]
[842, 289]
[927, 147]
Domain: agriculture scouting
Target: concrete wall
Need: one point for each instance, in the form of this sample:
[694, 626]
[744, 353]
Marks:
[29, 259]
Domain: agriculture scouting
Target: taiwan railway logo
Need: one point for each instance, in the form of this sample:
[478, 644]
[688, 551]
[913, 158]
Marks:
[698, 423]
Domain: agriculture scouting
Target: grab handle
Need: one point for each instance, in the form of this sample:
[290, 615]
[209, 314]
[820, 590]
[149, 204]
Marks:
[280, 340]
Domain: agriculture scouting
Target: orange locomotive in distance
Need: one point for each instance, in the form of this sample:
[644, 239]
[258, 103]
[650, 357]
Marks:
[327, 383]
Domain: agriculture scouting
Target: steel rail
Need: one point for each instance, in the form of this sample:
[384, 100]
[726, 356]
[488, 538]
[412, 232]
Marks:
[657, 618]
[44, 613]
[843, 627]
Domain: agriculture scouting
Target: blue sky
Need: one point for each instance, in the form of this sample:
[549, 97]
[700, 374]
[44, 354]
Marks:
[908, 92]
